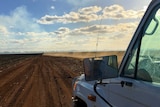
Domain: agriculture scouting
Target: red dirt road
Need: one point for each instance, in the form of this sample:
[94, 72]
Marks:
[39, 81]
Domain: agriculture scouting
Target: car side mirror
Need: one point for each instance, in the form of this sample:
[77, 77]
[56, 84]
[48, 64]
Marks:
[100, 67]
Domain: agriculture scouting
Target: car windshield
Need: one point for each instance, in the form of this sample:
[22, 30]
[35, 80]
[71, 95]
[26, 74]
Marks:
[43, 42]
[58, 25]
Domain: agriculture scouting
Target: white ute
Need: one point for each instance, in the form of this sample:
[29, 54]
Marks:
[136, 83]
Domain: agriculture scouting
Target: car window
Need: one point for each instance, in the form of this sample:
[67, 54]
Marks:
[144, 64]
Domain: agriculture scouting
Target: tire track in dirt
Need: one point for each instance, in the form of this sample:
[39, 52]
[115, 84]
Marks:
[48, 85]
[12, 88]
[8, 88]
[61, 76]
[27, 86]
[42, 81]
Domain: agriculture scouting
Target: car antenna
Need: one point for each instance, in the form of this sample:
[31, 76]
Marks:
[97, 39]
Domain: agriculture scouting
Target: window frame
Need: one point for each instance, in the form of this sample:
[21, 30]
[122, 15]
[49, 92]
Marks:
[137, 45]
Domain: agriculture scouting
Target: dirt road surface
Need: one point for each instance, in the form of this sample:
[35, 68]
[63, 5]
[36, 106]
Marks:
[39, 81]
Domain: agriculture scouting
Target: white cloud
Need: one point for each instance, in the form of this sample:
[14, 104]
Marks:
[118, 12]
[52, 7]
[20, 32]
[23, 34]
[92, 13]
[19, 20]
[104, 29]
[110, 37]
[85, 14]
[90, 10]
[47, 42]
[3, 30]
[62, 31]
[83, 38]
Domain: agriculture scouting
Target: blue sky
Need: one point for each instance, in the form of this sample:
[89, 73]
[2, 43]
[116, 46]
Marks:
[68, 25]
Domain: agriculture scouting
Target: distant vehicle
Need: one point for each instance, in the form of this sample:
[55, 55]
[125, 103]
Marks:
[136, 83]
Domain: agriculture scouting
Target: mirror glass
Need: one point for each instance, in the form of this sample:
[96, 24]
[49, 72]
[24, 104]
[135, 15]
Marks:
[100, 67]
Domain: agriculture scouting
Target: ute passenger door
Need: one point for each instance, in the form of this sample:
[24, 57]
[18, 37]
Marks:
[139, 80]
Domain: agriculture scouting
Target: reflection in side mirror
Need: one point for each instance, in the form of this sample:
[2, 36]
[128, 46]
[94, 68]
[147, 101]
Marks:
[100, 68]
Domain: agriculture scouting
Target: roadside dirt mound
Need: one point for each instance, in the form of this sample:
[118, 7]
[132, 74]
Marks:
[39, 81]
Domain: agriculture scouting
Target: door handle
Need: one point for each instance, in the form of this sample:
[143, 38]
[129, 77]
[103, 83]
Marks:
[129, 84]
